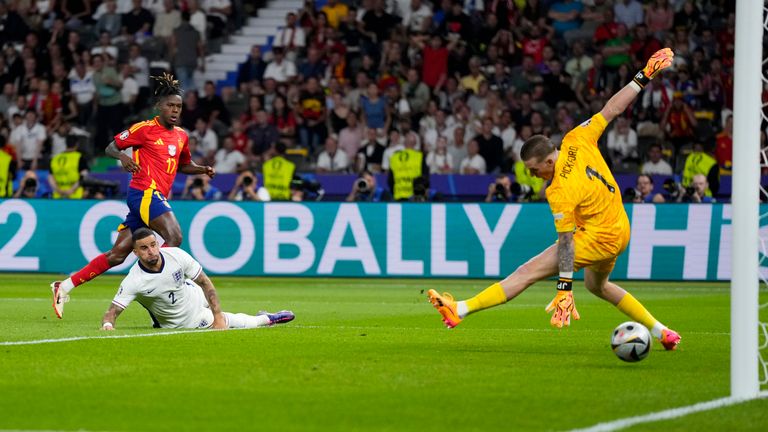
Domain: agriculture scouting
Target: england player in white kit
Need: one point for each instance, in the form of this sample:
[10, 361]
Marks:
[175, 290]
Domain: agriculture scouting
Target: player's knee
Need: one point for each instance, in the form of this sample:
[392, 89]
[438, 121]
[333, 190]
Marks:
[173, 239]
[116, 257]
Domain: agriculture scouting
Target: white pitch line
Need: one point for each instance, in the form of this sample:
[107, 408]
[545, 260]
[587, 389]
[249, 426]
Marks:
[79, 338]
[667, 414]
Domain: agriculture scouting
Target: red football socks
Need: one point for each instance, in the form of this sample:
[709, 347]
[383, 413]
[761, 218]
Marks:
[94, 268]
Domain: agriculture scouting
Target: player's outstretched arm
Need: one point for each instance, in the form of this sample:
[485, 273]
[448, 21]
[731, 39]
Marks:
[193, 168]
[219, 322]
[619, 102]
[108, 322]
[128, 164]
[563, 305]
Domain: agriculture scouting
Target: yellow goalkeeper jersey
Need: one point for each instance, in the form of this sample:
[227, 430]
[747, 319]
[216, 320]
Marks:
[583, 194]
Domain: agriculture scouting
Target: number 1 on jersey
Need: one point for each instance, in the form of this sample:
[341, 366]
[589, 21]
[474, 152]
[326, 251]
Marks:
[592, 174]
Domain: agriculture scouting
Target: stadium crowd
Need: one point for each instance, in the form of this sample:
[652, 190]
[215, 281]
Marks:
[401, 87]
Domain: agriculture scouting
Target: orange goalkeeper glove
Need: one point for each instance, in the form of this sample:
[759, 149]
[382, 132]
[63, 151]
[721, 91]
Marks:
[661, 59]
[563, 308]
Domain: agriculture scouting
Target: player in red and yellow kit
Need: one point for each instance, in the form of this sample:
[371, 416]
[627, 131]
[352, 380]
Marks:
[159, 151]
[591, 223]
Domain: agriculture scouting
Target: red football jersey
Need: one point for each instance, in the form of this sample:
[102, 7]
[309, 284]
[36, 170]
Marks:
[158, 152]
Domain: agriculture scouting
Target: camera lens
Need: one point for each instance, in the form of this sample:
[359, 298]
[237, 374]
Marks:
[362, 185]
[197, 182]
[247, 181]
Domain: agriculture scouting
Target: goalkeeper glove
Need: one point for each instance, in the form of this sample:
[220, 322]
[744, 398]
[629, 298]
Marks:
[661, 59]
[563, 305]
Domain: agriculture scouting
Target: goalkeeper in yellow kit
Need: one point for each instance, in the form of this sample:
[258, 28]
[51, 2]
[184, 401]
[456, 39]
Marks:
[592, 226]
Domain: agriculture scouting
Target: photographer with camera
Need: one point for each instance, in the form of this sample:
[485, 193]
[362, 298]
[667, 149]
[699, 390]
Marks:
[198, 188]
[695, 193]
[643, 191]
[67, 169]
[29, 186]
[306, 188]
[366, 189]
[247, 188]
[500, 190]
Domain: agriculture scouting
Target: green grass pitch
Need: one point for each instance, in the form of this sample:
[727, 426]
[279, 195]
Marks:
[362, 354]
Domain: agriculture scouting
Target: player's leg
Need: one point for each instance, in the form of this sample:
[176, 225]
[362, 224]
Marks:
[168, 227]
[264, 319]
[115, 256]
[537, 268]
[596, 281]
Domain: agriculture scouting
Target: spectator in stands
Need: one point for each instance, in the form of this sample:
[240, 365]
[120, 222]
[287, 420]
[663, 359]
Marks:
[46, 104]
[217, 13]
[655, 164]
[284, 120]
[491, 147]
[629, 12]
[689, 17]
[197, 155]
[473, 163]
[140, 70]
[312, 127]
[351, 137]
[109, 110]
[416, 92]
[376, 113]
[291, 38]
[263, 135]
[247, 189]
[280, 69]
[83, 90]
[565, 16]
[365, 189]
[129, 92]
[105, 47]
[440, 161]
[110, 22]
[197, 19]
[457, 147]
[579, 63]
[28, 140]
[187, 51]
[335, 11]
[370, 156]
[724, 147]
[679, 122]
[331, 159]
[500, 190]
[138, 22]
[417, 17]
[59, 136]
[228, 159]
[253, 68]
[313, 66]
[208, 142]
[199, 188]
[76, 13]
[622, 144]
[644, 44]
[166, 21]
[214, 110]
[395, 143]
[659, 17]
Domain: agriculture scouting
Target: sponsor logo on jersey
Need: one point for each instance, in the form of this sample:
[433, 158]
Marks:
[172, 150]
[558, 216]
[586, 123]
[159, 142]
[124, 135]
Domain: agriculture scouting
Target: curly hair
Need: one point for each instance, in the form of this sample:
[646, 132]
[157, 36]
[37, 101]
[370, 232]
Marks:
[166, 86]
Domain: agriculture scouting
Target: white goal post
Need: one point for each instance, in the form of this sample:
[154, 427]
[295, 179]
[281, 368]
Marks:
[747, 107]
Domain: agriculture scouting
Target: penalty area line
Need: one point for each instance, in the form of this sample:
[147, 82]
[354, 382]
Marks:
[668, 414]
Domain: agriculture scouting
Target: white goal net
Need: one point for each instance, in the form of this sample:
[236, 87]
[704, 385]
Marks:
[763, 294]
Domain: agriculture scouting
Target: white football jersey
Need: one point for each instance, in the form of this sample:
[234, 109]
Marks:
[170, 295]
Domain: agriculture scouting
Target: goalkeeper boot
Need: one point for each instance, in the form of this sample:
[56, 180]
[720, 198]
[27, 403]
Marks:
[59, 298]
[670, 339]
[446, 305]
[281, 317]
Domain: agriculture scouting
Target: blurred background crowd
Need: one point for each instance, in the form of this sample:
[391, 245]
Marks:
[353, 87]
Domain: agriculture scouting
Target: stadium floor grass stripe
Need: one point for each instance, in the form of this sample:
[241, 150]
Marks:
[668, 414]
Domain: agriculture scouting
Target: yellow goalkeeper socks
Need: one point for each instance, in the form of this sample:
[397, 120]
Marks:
[489, 297]
[635, 310]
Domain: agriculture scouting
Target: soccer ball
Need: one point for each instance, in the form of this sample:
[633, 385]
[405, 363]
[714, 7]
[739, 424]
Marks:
[631, 341]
